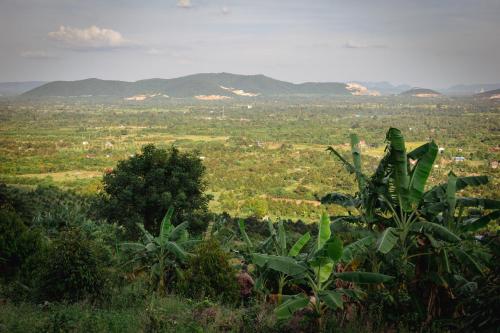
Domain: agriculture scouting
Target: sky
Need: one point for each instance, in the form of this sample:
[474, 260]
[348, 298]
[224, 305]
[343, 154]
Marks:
[425, 43]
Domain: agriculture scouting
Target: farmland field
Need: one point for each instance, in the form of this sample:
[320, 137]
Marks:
[269, 159]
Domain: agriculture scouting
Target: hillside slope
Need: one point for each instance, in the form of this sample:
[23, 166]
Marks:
[217, 84]
[421, 92]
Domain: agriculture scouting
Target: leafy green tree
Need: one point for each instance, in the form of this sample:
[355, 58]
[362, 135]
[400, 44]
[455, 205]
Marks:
[141, 188]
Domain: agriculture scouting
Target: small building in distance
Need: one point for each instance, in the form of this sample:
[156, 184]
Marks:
[458, 159]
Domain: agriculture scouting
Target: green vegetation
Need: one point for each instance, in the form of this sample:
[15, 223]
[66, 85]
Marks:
[106, 223]
[161, 256]
[209, 274]
[141, 188]
[186, 87]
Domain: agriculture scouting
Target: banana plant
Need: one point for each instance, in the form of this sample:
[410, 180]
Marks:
[394, 197]
[316, 270]
[461, 215]
[163, 254]
[395, 189]
[434, 224]
[276, 244]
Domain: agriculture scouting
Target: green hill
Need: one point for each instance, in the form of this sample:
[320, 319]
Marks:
[421, 92]
[222, 84]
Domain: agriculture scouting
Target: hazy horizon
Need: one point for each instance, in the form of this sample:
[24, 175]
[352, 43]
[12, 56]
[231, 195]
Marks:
[425, 44]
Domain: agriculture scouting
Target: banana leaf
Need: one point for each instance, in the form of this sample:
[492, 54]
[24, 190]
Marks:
[419, 152]
[286, 265]
[174, 248]
[398, 163]
[355, 293]
[151, 247]
[146, 233]
[478, 223]
[360, 246]
[350, 168]
[244, 235]
[446, 260]
[467, 260]
[363, 277]
[438, 193]
[387, 240]
[290, 306]
[436, 230]
[339, 199]
[324, 231]
[132, 246]
[323, 267]
[420, 173]
[332, 248]
[332, 299]
[166, 225]
[299, 244]
[479, 202]
[178, 231]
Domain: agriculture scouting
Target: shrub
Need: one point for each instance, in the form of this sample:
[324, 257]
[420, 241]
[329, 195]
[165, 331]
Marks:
[210, 275]
[17, 243]
[141, 188]
[72, 270]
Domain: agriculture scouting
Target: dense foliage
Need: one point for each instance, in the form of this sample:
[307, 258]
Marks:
[18, 243]
[209, 274]
[141, 188]
[72, 269]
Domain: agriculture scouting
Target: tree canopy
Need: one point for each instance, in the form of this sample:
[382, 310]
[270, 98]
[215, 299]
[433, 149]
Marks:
[141, 188]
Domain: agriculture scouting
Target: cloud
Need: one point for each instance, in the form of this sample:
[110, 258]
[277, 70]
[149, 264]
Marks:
[184, 3]
[156, 52]
[355, 45]
[92, 37]
[38, 54]
[225, 10]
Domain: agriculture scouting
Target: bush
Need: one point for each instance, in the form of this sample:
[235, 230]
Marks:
[72, 270]
[17, 243]
[209, 274]
[140, 190]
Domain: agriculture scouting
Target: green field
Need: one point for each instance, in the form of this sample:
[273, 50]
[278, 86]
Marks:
[272, 155]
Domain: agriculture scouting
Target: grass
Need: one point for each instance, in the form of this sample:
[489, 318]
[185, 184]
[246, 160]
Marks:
[154, 314]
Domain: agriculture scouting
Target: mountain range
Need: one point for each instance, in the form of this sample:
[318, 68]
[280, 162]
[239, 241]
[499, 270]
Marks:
[218, 86]
[211, 84]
